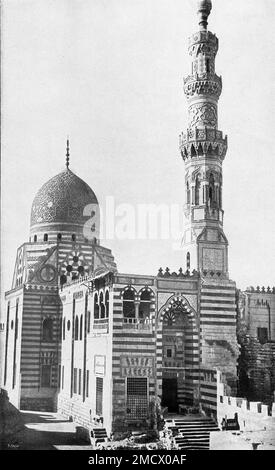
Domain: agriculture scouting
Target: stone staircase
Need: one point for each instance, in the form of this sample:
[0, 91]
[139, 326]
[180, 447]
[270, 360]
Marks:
[98, 435]
[191, 433]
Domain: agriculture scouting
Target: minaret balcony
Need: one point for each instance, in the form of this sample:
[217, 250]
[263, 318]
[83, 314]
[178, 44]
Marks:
[202, 142]
[206, 84]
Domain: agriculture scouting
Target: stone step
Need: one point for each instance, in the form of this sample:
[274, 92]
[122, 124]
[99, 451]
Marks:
[201, 423]
[99, 439]
[190, 426]
[194, 438]
[192, 434]
[193, 447]
[206, 429]
[198, 429]
[99, 433]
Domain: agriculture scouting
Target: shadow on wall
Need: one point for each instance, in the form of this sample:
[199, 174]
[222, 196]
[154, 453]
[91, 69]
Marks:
[33, 430]
[11, 421]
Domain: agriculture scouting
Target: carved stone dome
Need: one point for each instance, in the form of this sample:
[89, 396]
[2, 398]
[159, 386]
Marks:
[60, 202]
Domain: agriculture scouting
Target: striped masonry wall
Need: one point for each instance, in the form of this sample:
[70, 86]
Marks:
[218, 340]
[130, 343]
[190, 378]
[208, 390]
[38, 305]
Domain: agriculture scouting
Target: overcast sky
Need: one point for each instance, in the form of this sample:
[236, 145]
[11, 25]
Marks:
[109, 73]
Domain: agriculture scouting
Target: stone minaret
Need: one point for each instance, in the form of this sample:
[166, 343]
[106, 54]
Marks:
[203, 148]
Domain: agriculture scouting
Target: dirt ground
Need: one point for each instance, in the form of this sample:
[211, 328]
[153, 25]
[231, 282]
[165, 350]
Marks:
[46, 431]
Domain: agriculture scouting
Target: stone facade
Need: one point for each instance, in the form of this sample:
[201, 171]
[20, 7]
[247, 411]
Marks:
[256, 335]
[149, 339]
[252, 415]
[56, 253]
[101, 345]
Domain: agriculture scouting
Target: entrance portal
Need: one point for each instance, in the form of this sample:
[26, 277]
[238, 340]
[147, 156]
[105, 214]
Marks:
[180, 355]
[170, 394]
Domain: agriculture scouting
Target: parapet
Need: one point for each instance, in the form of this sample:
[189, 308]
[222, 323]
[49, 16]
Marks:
[263, 290]
[181, 274]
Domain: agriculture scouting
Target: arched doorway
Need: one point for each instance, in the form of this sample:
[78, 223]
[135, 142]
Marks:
[178, 346]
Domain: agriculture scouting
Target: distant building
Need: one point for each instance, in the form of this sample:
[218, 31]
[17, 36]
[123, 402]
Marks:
[256, 336]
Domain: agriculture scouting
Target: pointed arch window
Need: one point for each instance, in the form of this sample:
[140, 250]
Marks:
[128, 304]
[81, 328]
[211, 193]
[197, 191]
[144, 306]
[101, 305]
[96, 307]
[47, 330]
[35, 238]
[76, 328]
[107, 304]
[187, 193]
[87, 315]
[188, 260]
[59, 236]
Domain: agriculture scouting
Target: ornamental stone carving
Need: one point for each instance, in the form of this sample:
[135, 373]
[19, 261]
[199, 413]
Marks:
[203, 115]
[203, 84]
[203, 37]
[62, 199]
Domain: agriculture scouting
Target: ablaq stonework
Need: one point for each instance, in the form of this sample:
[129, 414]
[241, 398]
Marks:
[102, 346]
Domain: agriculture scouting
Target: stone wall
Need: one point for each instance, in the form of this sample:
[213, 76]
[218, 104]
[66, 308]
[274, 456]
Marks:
[256, 364]
[257, 369]
[38, 404]
[219, 347]
[259, 310]
[76, 411]
[251, 415]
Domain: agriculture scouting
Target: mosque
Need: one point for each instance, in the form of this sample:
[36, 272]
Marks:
[89, 341]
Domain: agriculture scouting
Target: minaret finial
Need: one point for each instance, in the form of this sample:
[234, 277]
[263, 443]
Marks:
[204, 9]
[68, 154]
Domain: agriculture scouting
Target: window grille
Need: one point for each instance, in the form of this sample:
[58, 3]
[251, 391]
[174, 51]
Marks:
[137, 399]
[99, 395]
